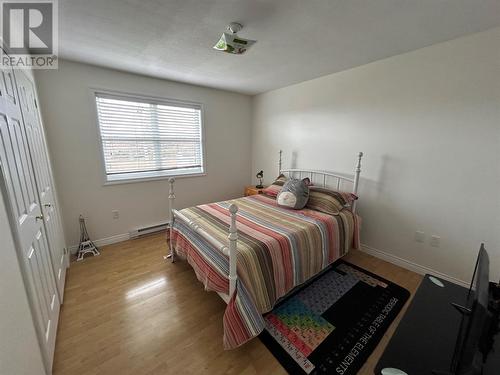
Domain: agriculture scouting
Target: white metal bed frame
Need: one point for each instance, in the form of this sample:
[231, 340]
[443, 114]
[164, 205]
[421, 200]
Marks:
[230, 249]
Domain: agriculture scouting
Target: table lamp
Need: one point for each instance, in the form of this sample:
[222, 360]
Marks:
[260, 176]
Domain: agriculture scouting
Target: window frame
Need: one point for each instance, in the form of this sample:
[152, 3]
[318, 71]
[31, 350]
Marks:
[139, 97]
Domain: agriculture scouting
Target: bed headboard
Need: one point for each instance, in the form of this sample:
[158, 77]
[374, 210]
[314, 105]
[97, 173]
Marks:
[327, 179]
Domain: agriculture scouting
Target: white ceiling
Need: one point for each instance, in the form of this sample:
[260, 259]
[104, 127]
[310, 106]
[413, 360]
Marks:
[297, 39]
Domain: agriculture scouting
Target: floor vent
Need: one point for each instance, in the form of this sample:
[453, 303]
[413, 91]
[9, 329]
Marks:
[135, 233]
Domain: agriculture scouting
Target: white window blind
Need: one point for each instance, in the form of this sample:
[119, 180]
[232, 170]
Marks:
[143, 138]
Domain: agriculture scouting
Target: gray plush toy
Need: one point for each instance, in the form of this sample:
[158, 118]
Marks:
[294, 193]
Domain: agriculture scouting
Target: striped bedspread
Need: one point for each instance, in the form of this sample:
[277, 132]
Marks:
[278, 249]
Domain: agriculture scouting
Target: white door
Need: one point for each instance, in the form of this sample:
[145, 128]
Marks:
[19, 188]
[36, 140]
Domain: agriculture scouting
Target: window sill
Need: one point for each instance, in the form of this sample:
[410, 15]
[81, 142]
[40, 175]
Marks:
[131, 180]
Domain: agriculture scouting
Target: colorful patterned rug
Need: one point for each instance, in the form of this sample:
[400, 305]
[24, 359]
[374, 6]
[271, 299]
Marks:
[332, 324]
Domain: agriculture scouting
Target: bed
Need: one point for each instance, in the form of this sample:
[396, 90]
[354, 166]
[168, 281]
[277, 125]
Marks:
[253, 252]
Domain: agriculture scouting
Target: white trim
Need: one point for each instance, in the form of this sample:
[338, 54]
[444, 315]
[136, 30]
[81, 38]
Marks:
[94, 90]
[409, 265]
[155, 178]
[144, 98]
[104, 241]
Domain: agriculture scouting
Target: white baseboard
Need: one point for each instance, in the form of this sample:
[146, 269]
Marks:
[422, 270]
[104, 241]
[412, 266]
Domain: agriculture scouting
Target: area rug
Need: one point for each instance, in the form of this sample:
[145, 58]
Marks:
[332, 324]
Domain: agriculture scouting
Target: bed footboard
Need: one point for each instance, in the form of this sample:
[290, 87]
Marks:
[230, 249]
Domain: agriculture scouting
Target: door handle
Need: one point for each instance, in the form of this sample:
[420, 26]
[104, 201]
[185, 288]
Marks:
[47, 205]
[39, 217]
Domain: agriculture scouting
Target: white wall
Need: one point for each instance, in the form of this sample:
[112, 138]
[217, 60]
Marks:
[69, 117]
[429, 124]
[19, 350]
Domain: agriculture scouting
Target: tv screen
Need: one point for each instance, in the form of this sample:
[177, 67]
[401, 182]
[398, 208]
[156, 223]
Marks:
[471, 348]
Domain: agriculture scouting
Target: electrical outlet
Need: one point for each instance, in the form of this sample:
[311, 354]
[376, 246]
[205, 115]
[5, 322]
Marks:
[419, 236]
[435, 241]
[116, 214]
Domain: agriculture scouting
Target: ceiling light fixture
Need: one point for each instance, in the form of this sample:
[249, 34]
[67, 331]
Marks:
[230, 42]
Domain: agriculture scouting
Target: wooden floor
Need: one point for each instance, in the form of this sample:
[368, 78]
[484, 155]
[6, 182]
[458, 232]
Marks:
[129, 312]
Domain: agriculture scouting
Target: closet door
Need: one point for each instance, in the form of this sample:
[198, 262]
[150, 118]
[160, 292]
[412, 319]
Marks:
[37, 145]
[19, 188]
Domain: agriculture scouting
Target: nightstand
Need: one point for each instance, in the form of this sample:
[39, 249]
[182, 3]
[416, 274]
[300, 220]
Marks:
[252, 190]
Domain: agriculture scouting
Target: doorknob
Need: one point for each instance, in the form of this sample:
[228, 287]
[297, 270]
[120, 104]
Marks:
[39, 217]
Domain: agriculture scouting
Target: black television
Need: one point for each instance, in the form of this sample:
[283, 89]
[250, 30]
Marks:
[474, 336]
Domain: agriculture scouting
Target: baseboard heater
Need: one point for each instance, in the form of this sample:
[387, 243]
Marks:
[135, 233]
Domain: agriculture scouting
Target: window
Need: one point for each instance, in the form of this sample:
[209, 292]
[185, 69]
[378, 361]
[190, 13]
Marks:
[148, 138]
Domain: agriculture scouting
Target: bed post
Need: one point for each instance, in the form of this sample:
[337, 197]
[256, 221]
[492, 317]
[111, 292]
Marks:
[233, 240]
[279, 163]
[171, 217]
[356, 179]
